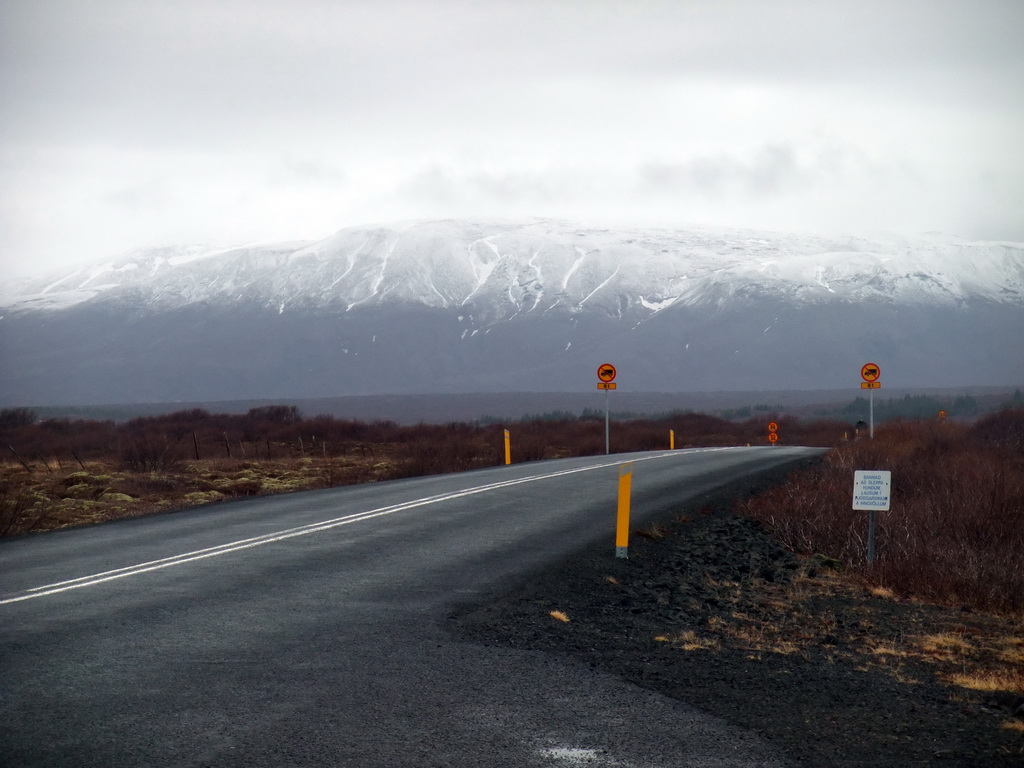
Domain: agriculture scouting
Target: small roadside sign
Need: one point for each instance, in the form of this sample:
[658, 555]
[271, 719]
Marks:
[773, 437]
[871, 385]
[942, 415]
[871, 489]
[773, 426]
[606, 374]
[871, 493]
[870, 372]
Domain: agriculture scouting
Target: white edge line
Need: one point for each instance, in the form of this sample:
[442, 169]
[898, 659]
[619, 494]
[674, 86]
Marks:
[256, 541]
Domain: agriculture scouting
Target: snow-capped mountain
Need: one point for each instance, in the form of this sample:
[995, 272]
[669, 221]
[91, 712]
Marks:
[498, 306]
[541, 266]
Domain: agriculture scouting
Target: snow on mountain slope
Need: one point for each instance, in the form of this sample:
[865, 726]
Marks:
[498, 270]
[478, 306]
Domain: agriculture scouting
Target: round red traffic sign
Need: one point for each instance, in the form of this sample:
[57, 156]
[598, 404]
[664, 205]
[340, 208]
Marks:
[870, 372]
[773, 437]
[773, 426]
[606, 372]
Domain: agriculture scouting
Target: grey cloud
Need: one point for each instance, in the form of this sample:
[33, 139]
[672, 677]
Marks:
[293, 170]
[434, 190]
[919, 49]
[224, 72]
[773, 170]
[150, 195]
[431, 186]
[534, 107]
[585, 194]
[500, 190]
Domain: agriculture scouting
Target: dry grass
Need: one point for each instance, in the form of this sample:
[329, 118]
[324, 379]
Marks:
[559, 616]
[1012, 651]
[881, 592]
[944, 645]
[956, 528]
[1009, 680]
[689, 640]
[653, 531]
[834, 616]
[889, 648]
[100, 490]
[762, 639]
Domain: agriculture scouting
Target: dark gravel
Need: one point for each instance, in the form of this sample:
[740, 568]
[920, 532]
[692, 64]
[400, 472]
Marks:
[710, 610]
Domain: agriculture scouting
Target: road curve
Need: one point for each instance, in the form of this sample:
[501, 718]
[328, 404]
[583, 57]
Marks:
[307, 629]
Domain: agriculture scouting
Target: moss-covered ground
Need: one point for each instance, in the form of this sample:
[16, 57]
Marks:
[54, 497]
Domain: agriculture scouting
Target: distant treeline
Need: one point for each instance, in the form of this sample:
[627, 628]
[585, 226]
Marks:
[923, 407]
[277, 431]
[156, 442]
[960, 407]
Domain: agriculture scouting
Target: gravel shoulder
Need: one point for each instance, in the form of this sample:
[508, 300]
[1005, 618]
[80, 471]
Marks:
[710, 610]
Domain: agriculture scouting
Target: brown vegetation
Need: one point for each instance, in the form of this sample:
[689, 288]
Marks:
[60, 472]
[955, 532]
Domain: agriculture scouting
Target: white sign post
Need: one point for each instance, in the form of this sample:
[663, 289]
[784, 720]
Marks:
[871, 492]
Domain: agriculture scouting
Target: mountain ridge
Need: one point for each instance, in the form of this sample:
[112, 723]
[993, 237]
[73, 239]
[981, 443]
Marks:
[448, 263]
[463, 306]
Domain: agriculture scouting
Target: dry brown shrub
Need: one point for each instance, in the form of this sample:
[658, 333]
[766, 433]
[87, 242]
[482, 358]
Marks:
[956, 528]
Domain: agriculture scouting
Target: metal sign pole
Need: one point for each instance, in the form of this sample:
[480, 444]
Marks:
[871, 537]
[606, 373]
[871, 373]
[606, 451]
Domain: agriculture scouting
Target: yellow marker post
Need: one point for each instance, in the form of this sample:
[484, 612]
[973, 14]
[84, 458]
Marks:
[508, 448]
[622, 526]
[671, 439]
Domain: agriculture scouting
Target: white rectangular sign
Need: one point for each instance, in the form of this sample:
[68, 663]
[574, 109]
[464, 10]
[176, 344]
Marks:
[871, 489]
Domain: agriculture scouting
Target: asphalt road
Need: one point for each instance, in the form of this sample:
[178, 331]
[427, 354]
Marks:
[308, 629]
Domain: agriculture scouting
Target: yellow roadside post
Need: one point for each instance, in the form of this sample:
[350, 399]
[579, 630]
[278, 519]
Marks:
[671, 439]
[508, 448]
[622, 526]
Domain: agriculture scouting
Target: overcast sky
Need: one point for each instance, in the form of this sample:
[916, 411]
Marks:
[138, 122]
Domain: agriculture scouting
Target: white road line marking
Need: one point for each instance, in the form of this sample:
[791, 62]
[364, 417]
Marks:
[305, 530]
